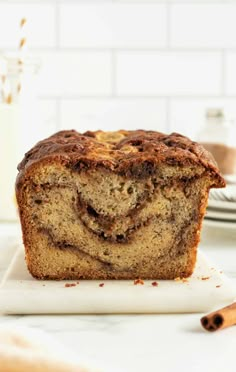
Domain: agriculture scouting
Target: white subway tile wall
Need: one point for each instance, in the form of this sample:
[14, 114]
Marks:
[114, 113]
[168, 73]
[82, 73]
[203, 25]
[113, 25]
[128, 63]
[230, 67]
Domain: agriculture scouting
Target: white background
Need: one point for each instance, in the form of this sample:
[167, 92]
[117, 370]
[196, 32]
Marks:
[128, 64]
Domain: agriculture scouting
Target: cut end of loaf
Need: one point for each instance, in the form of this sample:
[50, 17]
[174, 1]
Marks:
[111, 211]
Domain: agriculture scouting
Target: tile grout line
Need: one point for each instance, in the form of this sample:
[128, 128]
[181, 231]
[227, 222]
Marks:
[130, 49]
[168, 25]
[138, 97]
[133, 2]
[223, 72]
[181, 2]
[57, 24]
[58, 115]
[113, 73]
[168, 107]
[40, 2]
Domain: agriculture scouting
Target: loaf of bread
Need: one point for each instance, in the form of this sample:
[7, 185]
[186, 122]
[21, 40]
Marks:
[114, 205]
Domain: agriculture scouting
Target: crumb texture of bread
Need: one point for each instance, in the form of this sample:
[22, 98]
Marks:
[114, 205]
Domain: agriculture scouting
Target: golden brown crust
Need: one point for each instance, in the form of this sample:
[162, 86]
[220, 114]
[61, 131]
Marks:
[121, 152]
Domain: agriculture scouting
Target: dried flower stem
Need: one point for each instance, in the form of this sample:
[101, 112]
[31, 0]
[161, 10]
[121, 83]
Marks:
[9, 93]
[23, 22]
[9, 99]
[22, 44]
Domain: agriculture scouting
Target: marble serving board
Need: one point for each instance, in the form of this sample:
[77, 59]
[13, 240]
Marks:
[205, 290]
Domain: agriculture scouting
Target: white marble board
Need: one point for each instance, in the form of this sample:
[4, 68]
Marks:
[21, 294]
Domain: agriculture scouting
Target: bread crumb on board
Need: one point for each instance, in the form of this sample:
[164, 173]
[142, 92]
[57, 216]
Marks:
[68, 285]
[205, 278]
[182, 280]
[155, 284]
[138, 281]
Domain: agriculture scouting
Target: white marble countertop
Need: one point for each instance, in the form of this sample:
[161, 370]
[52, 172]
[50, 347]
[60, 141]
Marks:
[136, 343]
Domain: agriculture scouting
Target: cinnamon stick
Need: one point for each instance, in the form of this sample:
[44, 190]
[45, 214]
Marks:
[220, 319]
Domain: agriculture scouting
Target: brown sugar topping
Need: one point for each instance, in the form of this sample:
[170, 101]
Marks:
[122, 152]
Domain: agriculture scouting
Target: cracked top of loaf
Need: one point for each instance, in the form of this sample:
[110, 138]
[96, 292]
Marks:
[122, 152]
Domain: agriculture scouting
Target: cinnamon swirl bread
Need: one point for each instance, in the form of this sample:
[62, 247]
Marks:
[114, 205]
